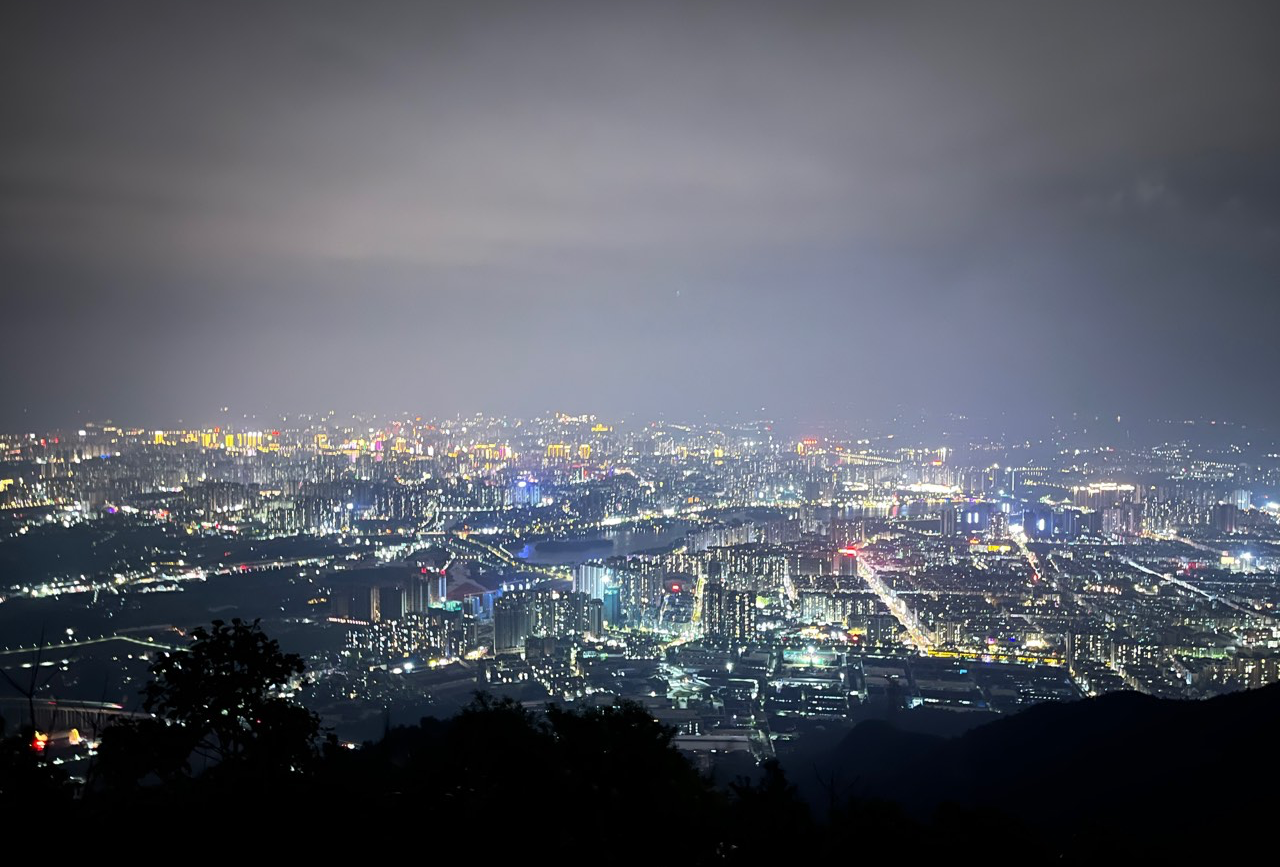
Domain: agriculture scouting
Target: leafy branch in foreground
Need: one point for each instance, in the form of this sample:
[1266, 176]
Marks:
[220, 708]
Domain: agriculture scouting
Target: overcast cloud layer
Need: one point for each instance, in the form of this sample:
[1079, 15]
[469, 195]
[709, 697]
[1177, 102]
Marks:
[824, 209]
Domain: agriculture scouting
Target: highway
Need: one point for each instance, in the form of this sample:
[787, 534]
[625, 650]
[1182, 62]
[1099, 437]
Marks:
[1199, 546]
[64, 645]
[499, 555]
[699, 593]
[1020, 540]
[1178, 582]
[917, 635]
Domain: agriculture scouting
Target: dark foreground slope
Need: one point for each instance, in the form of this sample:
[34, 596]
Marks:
[1124, 772]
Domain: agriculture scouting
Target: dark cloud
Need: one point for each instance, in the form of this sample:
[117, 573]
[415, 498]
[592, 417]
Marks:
[823, 208]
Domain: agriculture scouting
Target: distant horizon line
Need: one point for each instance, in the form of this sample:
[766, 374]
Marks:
[816, 424]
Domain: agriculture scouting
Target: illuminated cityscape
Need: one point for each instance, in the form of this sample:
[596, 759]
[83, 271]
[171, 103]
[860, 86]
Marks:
[660, 433]
[732, 578]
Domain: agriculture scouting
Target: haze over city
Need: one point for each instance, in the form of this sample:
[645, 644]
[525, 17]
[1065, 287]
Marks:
[831, 210]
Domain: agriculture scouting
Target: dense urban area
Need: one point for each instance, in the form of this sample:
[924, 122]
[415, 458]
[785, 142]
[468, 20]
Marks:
[749, 586]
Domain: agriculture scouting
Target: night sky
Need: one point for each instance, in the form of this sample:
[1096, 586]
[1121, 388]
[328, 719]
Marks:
[828, 210]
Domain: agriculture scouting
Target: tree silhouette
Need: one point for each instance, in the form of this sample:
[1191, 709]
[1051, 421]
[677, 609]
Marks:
[594, 770]
[218, 710]
[621, 758]
[765, 818]
[27, 778]
[34, 684]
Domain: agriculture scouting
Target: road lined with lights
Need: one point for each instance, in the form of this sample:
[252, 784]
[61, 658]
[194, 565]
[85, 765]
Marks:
[152, 645]
[899, 608]
[1186, 585]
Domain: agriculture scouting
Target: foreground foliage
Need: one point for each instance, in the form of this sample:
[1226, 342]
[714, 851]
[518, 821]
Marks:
[226, 751]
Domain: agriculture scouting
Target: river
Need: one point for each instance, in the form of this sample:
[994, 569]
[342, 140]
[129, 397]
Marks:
[616, 542]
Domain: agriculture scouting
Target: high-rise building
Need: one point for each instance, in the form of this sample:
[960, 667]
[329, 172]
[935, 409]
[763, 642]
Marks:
[1123, 519]
[543, 612]
[374, 595]
[437, 632]
[729, 615]
[998, 525]
[591, 579]
[1225, 517]
[841, 607]
[524, 492]
[947, 521]
[844, 561]
[612, 613]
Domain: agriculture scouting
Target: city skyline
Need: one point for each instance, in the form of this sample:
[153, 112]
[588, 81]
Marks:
[828, 210]
[750, 601]
[1008, 428]
[1086, 559]
[713, 432]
